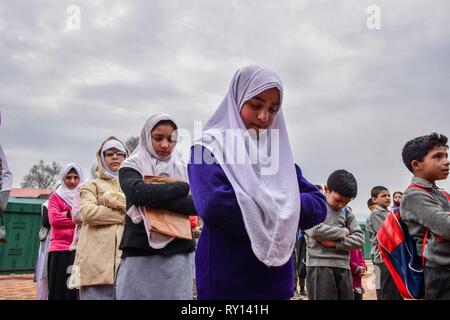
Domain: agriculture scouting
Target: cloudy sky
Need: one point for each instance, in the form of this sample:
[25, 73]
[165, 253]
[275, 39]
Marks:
[353, 95]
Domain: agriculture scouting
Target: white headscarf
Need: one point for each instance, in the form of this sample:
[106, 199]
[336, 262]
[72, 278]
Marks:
[71, 197]
[270, 204]
[146, 161]
[109, 144]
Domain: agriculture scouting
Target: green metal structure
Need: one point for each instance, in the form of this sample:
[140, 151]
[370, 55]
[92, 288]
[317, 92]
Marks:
[22, 218]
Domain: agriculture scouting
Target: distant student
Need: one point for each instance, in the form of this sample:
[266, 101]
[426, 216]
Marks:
[328, 275]
[382, 199]
[40, 275]
[427, 209]
[250, 218]
[300, 264]
[376, 268]
[371, 205]
[396, 198]
[358, 268]
[60, 206]
[102, 212]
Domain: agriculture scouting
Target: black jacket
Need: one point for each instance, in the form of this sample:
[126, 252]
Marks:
[170, 196]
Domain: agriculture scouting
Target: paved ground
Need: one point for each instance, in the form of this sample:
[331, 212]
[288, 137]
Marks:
[22, 287]
[17, 287]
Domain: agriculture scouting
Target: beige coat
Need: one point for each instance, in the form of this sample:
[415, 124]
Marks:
[98, 255]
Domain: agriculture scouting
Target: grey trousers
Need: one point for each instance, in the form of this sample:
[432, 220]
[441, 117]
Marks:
[389, 290]
[437, 283]
[329, 283]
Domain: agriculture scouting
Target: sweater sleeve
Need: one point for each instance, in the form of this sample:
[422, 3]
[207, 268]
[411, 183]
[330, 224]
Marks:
[423, 208]
[154, 195]
[183, 205]
[93, 213]
[324, 232]
[313, 203]
[57, 217]
[214, 197]
[45, 221]
[355, 240]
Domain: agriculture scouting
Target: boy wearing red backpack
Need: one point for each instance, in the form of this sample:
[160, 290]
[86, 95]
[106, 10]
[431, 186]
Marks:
[425, 207]
[382, 199]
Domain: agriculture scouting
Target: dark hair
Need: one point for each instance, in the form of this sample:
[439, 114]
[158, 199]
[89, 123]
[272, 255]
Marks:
[370, 203]
[318, 186]
[377, 190]
[418, 148]
[163, 122]
[343, 182]
[393, 195]
[72, 171]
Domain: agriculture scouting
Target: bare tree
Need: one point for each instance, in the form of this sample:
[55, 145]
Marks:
[132, 143]
[42, 176]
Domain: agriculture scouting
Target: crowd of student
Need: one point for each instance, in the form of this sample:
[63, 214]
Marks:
[96, 240]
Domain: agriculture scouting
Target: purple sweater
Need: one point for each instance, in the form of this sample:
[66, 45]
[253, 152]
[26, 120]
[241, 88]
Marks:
[226, 267]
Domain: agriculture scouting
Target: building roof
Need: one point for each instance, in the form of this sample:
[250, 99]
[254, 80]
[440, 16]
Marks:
[31, 193]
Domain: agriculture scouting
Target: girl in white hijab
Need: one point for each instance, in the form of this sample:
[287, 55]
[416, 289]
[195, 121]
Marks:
[101, 218]
[250, 194]
[154, 266]
[61, 206]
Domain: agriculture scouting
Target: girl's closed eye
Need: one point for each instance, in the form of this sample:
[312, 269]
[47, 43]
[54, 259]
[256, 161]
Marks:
[273, 109]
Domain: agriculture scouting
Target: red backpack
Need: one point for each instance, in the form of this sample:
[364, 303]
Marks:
[398, 250]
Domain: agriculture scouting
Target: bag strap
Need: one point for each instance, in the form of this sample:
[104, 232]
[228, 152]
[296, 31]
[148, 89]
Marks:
[423, 247]
[346, 210]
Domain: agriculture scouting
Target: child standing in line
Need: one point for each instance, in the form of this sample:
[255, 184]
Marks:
[155, 266]
[376, 268]
[60, 207]
[102, 213]
[382, 199]
[358, 268]
[328, 275]
[396, 198]
[426, 210]
[250, 218]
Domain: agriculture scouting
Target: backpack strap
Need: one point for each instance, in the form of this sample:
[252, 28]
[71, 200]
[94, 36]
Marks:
[423, 247]
[446, 194]
[346, 210]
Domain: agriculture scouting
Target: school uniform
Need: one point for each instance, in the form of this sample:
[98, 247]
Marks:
[421, 210]
[250, 218]
[97, 248]
[328, 275]
[388, 289]
[153, 268]
[60, 257]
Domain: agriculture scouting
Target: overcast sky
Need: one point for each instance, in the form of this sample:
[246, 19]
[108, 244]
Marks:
[353, 96]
